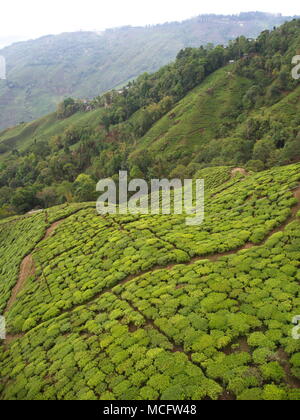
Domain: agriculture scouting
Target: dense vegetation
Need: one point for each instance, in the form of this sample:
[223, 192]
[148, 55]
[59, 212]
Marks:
[17, 239]
[43, 72]
[196, 113]
[144, 307]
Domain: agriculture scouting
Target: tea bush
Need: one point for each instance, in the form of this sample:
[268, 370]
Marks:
[17, 239]
[139, 307]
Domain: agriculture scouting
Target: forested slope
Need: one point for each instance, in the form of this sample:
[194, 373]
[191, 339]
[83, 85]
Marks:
[198, 112]
[42, 72]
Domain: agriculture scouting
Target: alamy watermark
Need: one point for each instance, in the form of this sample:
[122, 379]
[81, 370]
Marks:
[296, 330]
[164, 197]
[296, 69]
[2, 328]
[2, 68]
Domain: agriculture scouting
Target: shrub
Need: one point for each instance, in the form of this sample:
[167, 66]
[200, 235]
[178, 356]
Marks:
[274, 393]
[272, 372]
[148, 393]
[295, 360]
[254, 394]
[173, 393]
[260, 356]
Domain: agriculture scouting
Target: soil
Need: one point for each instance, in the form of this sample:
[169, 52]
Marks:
[27, 269]
[239, 171]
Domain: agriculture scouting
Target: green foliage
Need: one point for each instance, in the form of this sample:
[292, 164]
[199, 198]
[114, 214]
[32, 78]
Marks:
[273, 371]
[84, 188]
[254, 394]
[214, 177]
[123, 60]
[196, 114]
[17, 238]
[145, 307]
[274, 393]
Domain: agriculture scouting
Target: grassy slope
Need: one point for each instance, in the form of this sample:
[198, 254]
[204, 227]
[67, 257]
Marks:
[196, 120]
[197, 116]
[22, 136]
[191, 125]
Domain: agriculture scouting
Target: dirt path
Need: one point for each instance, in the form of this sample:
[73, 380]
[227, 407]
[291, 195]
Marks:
[241, 171]
[297, 207]
[284, 361]
[27, 268]
[10, 338]
[51, 229]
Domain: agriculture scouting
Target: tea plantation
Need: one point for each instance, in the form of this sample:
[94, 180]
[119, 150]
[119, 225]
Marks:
[145, 307]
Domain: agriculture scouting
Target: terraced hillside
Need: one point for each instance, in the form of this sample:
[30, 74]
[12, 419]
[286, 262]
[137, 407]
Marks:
[145, 307]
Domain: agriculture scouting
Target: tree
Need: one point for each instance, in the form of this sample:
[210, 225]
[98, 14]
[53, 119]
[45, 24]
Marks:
[262, 150]
[48, 196]
[136, 173]
[251, 96]
[255, 165]
[67, 108]
[6, 211]
[65, 191]
[84, 188]
[24, 200]
[5, 194]
[179, 172]
[291, 151]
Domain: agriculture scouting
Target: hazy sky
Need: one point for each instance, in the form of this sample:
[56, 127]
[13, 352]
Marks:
[33, 18]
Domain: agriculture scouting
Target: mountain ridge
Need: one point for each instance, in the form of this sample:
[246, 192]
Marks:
[41, 73]
[232, 106]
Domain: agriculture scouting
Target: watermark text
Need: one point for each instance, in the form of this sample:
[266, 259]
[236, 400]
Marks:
[296, 330]
[2, 68]
[2, 328]
[164, 197]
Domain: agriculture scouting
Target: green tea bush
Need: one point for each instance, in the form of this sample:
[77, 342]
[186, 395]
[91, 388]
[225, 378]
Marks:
[17, 240]
[117, 309]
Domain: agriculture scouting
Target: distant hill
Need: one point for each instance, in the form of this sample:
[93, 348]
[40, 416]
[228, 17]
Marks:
[42, 72]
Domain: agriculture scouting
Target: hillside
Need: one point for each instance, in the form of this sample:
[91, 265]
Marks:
[41, 73]
[198, 112]
[144, 307]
